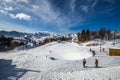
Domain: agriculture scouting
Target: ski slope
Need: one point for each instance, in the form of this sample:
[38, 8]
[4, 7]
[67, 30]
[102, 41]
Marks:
[61, 61]
[67, 51]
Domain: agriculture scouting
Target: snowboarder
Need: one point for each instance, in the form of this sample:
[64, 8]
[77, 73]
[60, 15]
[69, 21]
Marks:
[93, 53]
[96, 63]
[84, 62]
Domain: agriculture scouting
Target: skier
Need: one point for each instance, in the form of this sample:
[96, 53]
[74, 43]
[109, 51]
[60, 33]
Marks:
[103, 49]
[93, 53]
[100, 49]
[84, 62]
[90, 50]
[96, 63]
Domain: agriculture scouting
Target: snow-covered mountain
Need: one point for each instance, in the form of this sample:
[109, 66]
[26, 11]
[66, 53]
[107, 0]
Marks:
[36, 35]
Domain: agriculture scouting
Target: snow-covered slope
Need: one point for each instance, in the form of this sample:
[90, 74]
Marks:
[61, 61]
[67, 51]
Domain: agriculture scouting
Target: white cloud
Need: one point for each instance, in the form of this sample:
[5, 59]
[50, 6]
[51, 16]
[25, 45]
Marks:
[20, 16]
[84, 8]
[8, 1]
[72, 5]
[3, 12]
[10, 27]
[8, 8]
[23, 16]
[94, 3]
[43, 12]
[12, 15]
[25, 1]
[35, 6]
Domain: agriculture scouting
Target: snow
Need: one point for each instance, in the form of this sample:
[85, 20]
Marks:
[61, 61]
[67, 51]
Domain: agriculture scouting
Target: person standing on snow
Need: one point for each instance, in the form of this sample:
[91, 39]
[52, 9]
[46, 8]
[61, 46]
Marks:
[96, 63]
[103, 49]
[84, 62]
[90, 50]
[93, 53]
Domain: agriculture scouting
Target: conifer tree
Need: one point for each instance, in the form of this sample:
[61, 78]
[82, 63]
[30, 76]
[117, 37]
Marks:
[78, 36]
[102, 33]
[83, 36]
[88, 35]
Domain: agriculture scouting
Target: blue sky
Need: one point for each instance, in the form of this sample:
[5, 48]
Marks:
[59, 16]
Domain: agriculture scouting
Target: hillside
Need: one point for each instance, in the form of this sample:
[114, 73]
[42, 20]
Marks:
[61, 61]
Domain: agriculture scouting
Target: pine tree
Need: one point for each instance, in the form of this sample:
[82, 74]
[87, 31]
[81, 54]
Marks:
[88, 35]
[78, 36]
[102, 33]
[83, 36]
[109, 34]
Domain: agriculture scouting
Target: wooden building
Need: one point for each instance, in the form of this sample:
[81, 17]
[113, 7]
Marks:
[114, 52]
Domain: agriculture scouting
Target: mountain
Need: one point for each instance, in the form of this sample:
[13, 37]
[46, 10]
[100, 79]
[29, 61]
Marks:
[36, 35]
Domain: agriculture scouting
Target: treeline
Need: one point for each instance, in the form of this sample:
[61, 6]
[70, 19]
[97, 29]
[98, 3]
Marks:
[103, 34]
[9, 43]
[59, 39]
[5, 41]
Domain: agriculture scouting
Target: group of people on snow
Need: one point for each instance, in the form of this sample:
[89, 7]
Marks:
[96, 60]
[93, 52]
[96, 63]
[102, 49]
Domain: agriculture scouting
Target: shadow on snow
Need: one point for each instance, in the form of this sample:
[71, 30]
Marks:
[9, 71]
[94, 67]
